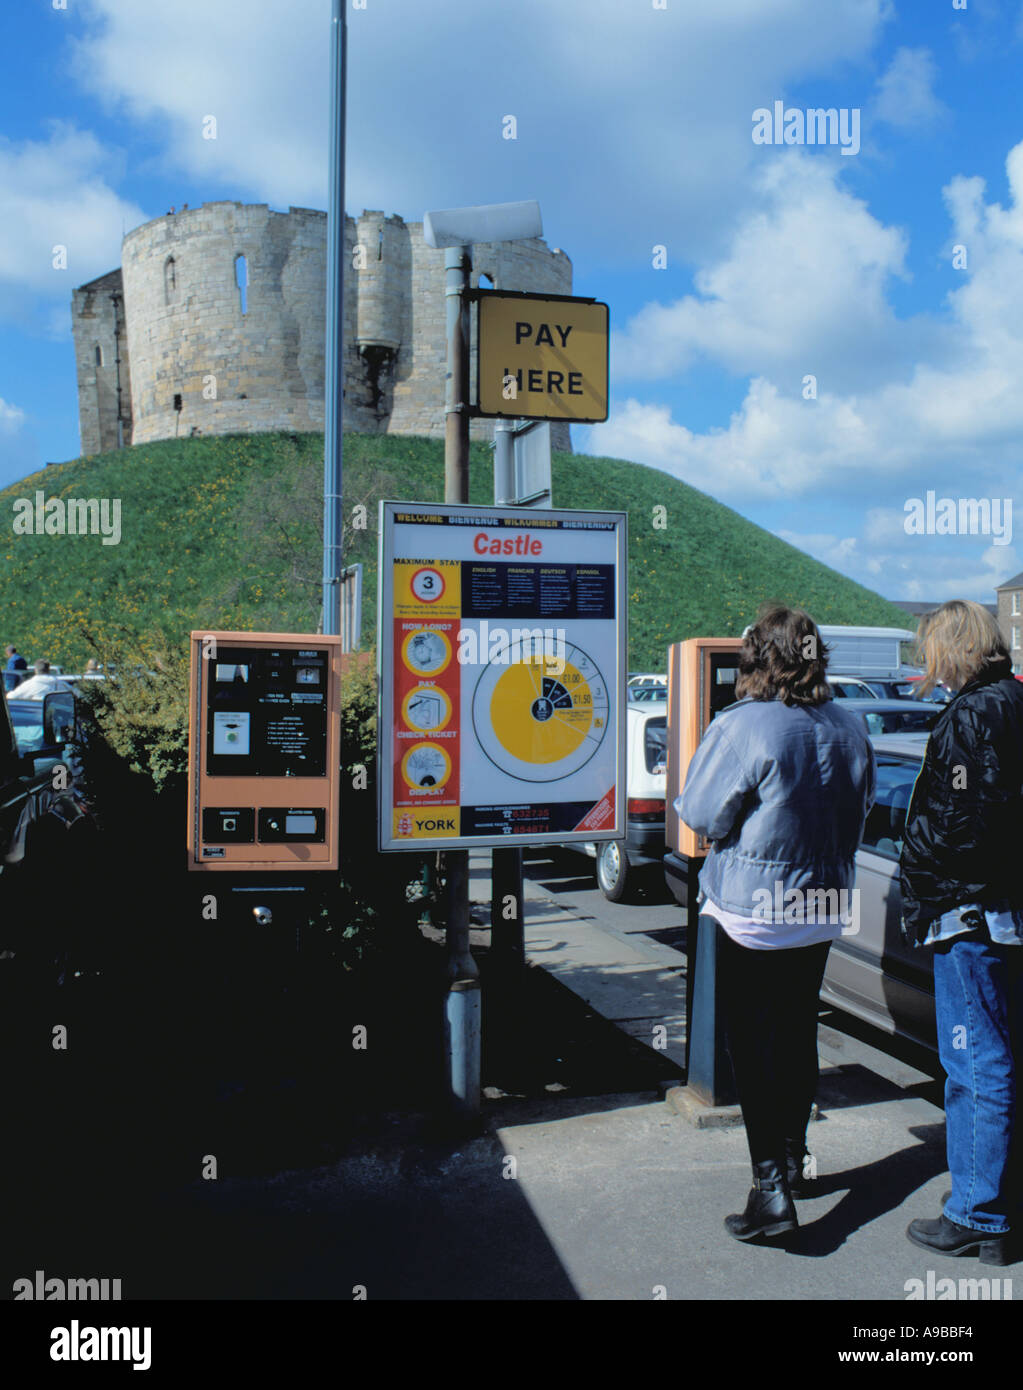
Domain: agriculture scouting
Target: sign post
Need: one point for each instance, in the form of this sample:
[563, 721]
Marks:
[457, 229]
[522, 477]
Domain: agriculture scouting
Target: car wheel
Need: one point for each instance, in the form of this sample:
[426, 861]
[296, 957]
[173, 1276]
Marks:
[613, 870]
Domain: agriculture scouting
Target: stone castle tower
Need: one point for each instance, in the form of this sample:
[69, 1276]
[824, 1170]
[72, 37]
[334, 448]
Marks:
[215, 324]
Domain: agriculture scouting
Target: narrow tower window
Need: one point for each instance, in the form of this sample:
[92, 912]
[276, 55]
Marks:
[99, 355]
[241, 279]
[170, 281]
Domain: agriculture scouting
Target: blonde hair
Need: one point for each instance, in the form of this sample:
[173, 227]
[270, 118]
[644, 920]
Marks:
[956, 642]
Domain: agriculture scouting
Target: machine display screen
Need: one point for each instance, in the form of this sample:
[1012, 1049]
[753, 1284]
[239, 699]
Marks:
[724, 668]
[267, 713]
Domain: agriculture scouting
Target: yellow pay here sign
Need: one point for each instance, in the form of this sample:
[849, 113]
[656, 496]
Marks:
[542, 357]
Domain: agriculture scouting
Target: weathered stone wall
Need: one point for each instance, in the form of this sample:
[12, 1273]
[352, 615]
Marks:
[98, 316]
[260, 366]
[234, 363]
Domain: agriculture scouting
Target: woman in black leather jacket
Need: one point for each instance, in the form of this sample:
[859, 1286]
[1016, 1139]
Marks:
[962, 895]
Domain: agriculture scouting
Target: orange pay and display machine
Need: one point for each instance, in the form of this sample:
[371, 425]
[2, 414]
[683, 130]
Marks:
[263, 751]
[701, 682]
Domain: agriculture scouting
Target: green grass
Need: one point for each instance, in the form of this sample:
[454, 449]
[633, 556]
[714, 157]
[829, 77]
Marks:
[225, 532]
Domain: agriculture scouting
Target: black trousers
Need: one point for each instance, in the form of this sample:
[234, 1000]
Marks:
[770, 1001]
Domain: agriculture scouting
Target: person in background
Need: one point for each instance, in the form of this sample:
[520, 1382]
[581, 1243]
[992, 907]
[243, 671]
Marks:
[92, 670]
[780, 785]
[41, 684]
[962, 899]
[16, 664]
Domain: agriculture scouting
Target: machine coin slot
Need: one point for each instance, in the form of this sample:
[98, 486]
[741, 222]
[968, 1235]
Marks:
[228, 827]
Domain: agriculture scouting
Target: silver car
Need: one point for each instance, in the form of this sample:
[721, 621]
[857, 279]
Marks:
[894, 716]
[871, 972]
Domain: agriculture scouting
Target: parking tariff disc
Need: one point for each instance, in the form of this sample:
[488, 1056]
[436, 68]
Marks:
[540, 719]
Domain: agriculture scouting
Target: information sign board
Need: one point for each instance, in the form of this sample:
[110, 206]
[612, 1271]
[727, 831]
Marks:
[542, 357]
[501, 654]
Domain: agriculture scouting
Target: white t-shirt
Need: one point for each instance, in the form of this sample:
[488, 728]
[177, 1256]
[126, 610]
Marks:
[773, 936]
[36, 687]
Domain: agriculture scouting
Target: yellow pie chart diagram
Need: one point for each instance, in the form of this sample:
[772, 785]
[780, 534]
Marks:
[540, 719]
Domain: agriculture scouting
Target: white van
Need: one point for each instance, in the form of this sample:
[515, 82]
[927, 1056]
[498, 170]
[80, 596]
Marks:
[865, 651]
[646, 753]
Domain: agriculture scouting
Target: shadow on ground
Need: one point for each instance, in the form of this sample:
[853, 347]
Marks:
[332, 1167]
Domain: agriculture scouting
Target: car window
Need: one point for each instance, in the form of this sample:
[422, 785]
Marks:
[28, 726]
[886, 819]
[878, 688]
[655, 744]
[911, 720]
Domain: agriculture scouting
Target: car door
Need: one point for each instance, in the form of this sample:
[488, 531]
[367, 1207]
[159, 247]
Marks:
[871, 972]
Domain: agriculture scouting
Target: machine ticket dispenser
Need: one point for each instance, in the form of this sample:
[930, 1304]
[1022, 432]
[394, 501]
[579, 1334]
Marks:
[263, 751]
[701, 682]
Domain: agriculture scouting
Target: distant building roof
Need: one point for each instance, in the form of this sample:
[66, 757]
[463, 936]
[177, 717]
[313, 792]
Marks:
[912, 606]
[918, 609]
[1015, 583]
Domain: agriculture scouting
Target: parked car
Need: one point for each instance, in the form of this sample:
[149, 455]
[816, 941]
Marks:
[47, 731]
[645, 692]
[890, 688]
[938, 695]
[46, 834]
[646, 752]
[646, 687]
[871, 972]
[851, 688]
[894, 716]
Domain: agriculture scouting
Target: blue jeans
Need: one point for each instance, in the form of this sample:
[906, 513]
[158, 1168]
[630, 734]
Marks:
[978, 991]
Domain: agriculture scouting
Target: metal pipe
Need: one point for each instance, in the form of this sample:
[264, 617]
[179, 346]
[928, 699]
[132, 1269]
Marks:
[334, 362]
[462, 1024]
[456, 381]
[504, 463]
[462, 1003]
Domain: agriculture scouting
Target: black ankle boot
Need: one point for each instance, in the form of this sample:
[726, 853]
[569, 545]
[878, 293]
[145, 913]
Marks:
[796, 1155]
[947, 1237]
[769, 1211]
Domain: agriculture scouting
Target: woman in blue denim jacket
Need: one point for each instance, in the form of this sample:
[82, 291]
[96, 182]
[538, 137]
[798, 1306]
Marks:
[962, 897]
[780, 785]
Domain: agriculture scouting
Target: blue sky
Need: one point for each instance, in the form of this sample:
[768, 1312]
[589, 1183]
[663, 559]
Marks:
[635, 121]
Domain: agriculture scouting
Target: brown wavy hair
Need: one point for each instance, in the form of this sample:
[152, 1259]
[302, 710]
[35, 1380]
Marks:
[783, 657]
[957, 642]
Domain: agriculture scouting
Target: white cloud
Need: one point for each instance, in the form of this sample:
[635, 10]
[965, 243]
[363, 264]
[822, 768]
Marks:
[19, 449]
[836, 551]
[429, 85]
[905, 92]
[12, 417]
[57, 193]
[930, 569]
[958, 415]
[774, 446]
[801, 290]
